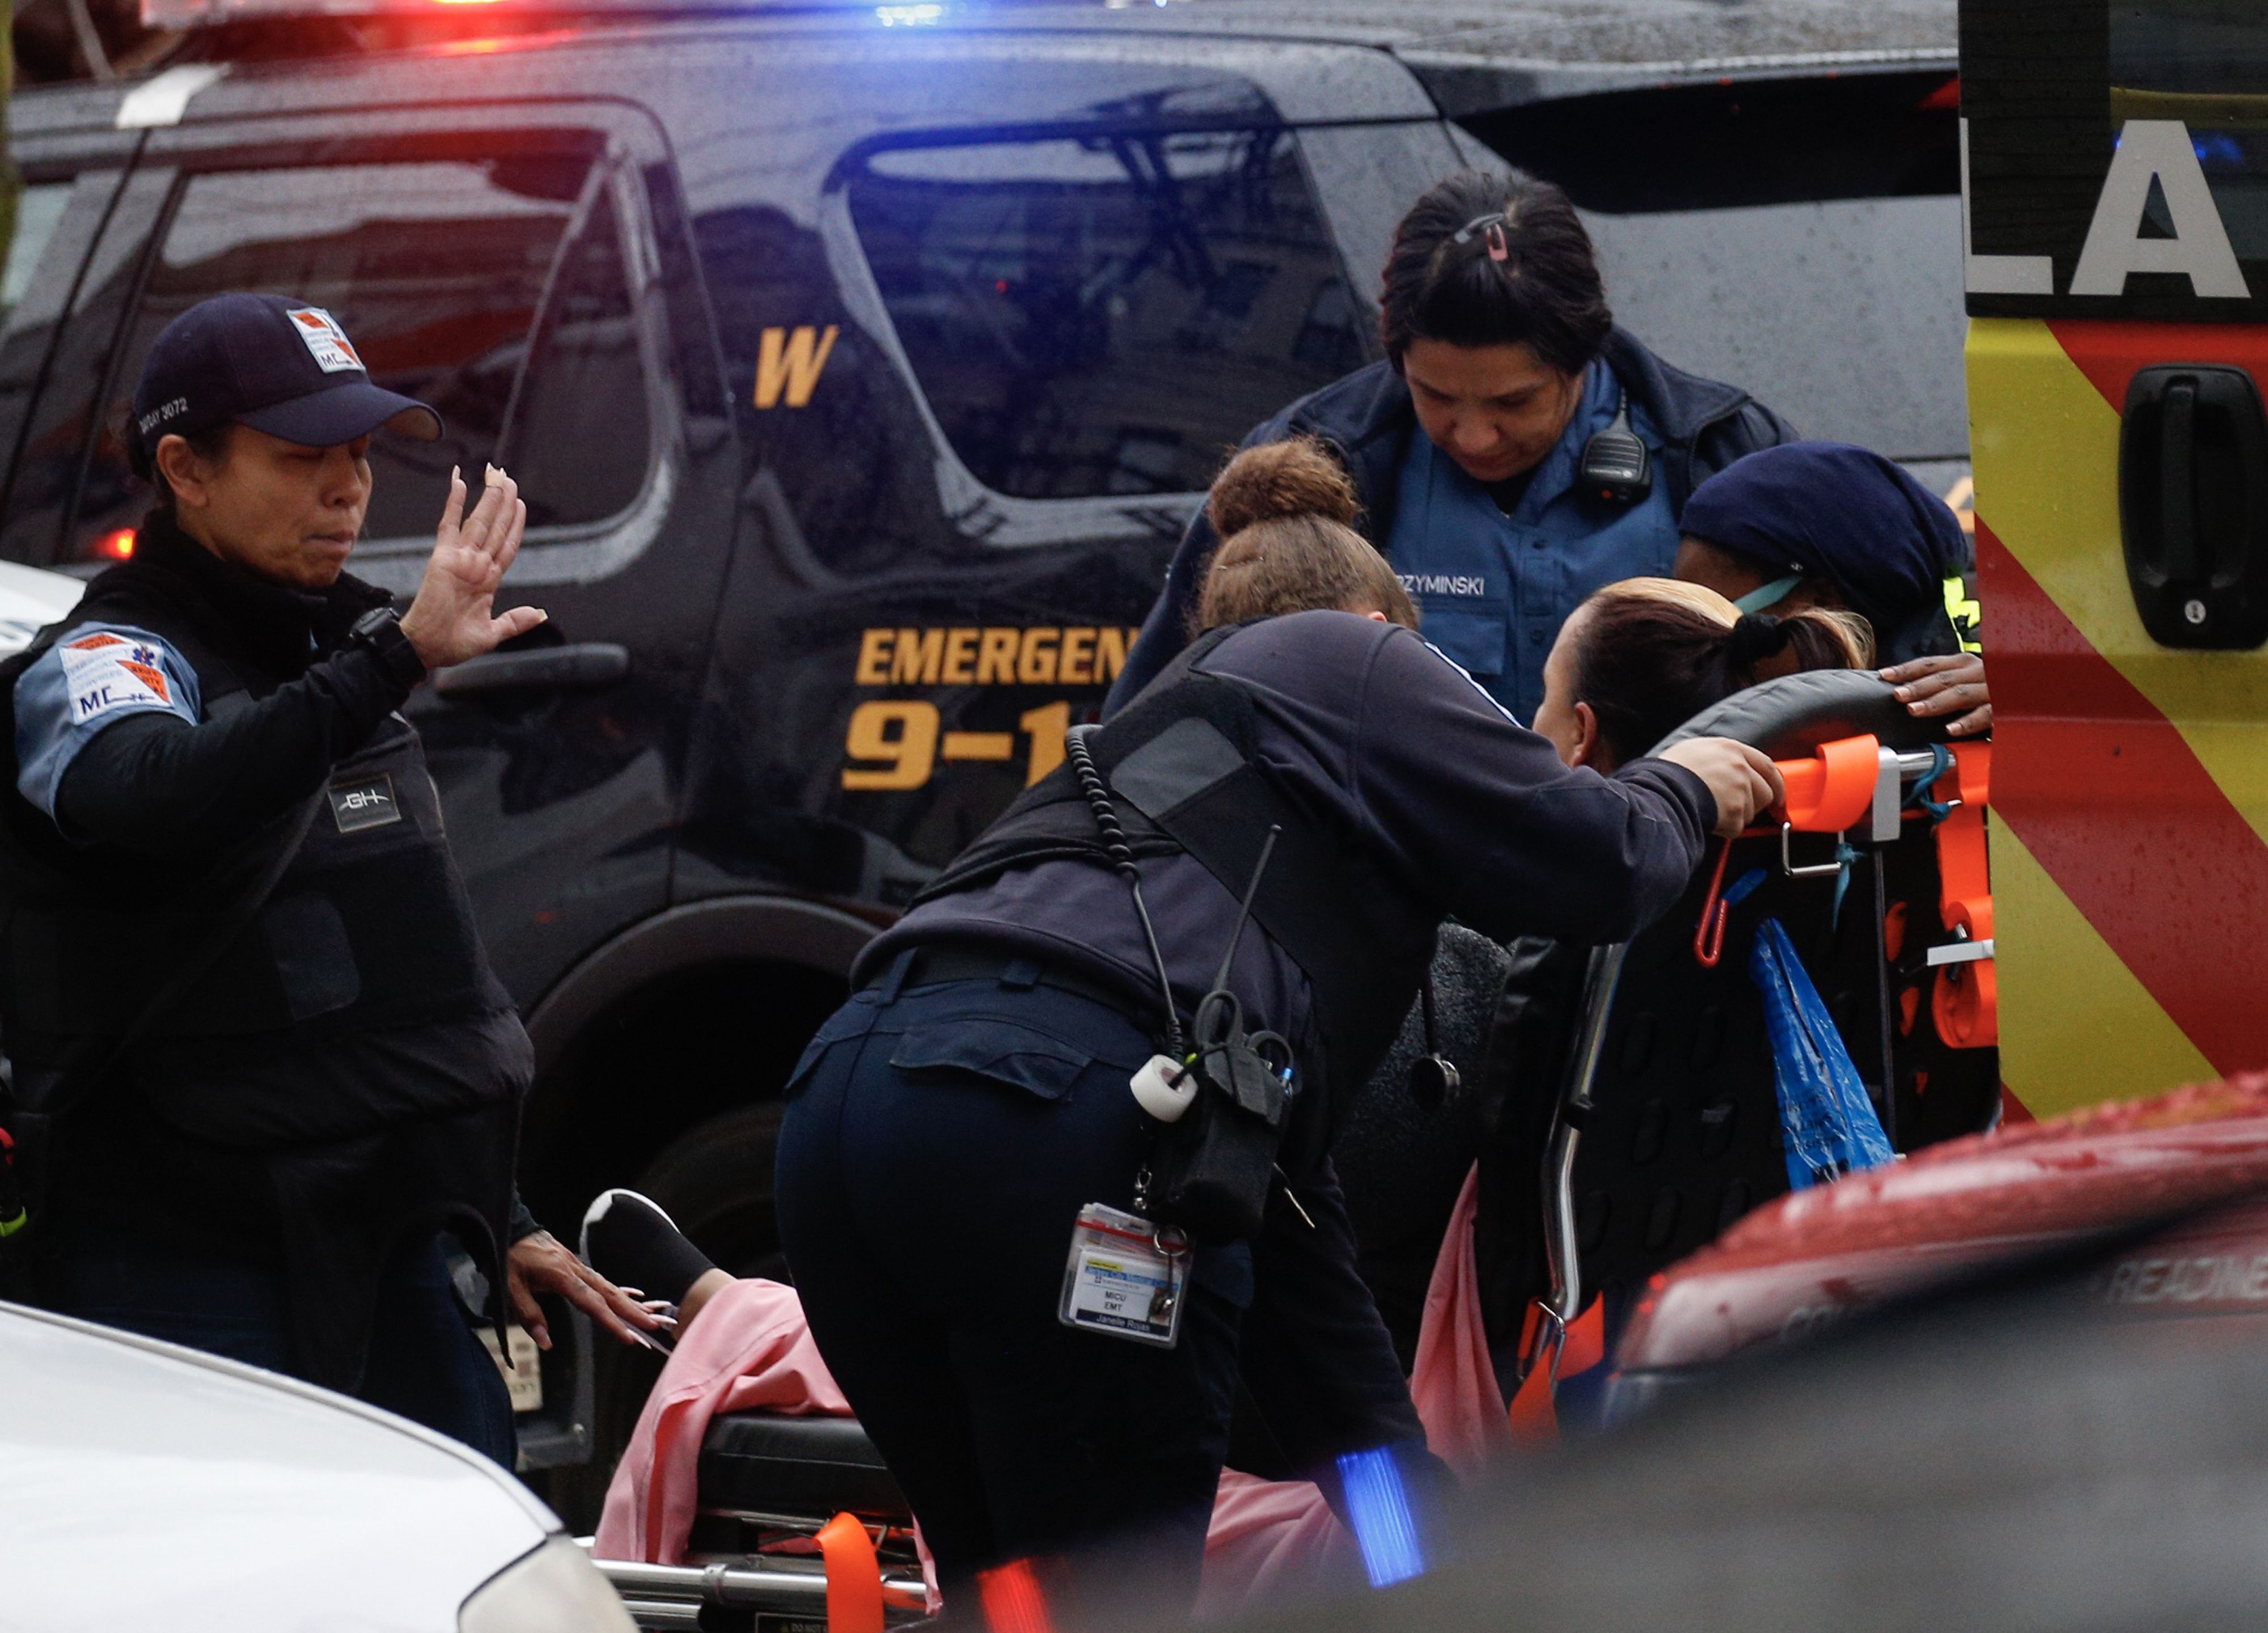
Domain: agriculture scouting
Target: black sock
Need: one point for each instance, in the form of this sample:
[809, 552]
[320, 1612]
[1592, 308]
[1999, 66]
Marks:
[632, 1243]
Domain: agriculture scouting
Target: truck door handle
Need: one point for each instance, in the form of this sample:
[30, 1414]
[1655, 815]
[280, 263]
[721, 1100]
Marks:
[583, 666]
[2193, 505]
[2177, 482]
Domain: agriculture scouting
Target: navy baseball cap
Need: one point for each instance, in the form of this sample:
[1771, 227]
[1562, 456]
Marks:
[280, 367]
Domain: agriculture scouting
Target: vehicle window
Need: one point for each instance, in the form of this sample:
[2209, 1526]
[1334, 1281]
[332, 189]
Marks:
[855, 465]
[438, 270]
[39, 211]
[1105, 315]
[1742, 143]
[1800, 238]
[56, 353]
[2202, 61]
[579, 437]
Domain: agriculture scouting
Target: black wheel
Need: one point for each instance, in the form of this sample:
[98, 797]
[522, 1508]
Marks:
[716, 1181]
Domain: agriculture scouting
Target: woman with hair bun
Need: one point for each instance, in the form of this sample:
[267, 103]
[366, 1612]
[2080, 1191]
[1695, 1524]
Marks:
[1048, 1031]
[1641, 657]
[1286, 513]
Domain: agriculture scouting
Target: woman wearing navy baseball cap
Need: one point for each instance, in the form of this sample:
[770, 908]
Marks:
[1826, 524]
[265, 1078]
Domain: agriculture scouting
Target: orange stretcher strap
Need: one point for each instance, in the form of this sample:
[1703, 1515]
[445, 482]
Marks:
[1964, 880]
[1534, 1420]
[854, 1577]
[1964, 1001]
[1835, 787]
[1535, 1414]
[1709, 934]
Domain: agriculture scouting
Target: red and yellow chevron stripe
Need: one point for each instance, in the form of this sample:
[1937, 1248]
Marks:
[2130, 870]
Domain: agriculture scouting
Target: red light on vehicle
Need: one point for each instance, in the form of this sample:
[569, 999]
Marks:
[464, 2]
[115, 547]
[1947, 96]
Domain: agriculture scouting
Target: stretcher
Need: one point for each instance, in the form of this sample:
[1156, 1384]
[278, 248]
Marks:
[799, 1520]
[1664, 1129]
[1865, 865]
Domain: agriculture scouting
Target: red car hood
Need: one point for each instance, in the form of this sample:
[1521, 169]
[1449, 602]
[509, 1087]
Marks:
[1816, 1254]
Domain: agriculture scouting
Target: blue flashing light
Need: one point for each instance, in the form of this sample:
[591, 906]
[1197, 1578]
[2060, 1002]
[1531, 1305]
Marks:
[2218, 149]
[910, 16]
[1378, 1503]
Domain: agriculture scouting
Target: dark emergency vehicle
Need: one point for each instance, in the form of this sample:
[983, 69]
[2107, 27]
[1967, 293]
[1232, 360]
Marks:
[862, 364]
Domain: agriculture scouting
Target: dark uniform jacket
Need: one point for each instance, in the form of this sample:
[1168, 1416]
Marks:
[1460, 806]
[349, 1069]
[1367, 420]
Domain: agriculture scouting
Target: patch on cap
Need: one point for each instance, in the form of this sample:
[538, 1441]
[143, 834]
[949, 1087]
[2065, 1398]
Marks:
[325, 341]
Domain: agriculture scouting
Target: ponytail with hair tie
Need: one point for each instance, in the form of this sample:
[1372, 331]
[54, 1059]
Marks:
[1651, 653]
[1754, 637]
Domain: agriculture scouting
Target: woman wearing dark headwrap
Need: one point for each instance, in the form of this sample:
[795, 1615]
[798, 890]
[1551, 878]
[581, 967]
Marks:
[1825, 524]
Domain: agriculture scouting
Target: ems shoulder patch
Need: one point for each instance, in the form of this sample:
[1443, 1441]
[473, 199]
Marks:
[325, 341]
[103, 671]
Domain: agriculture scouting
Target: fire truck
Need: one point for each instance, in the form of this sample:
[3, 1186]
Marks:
[2115, 169]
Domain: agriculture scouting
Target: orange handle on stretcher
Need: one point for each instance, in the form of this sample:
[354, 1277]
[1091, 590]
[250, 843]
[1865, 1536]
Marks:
[1832, 789]
[1965, 999]
[854, 1577]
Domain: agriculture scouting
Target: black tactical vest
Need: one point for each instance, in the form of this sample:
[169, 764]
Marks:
[369, 928]
[1186, 778]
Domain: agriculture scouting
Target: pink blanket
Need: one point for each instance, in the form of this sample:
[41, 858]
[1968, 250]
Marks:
[1453, 1382]
[751, 1349]
[1270, 1532]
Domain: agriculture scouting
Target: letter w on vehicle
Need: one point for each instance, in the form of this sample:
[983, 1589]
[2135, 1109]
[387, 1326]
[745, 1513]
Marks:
[789, 365]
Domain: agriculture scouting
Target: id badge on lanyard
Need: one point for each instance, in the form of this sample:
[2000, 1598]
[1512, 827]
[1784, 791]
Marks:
[1126, 1278]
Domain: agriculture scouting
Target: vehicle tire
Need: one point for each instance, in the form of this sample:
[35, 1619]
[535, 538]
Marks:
[716, 1181]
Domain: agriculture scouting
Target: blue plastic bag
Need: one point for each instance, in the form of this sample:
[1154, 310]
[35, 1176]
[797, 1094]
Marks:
[1828, 1125]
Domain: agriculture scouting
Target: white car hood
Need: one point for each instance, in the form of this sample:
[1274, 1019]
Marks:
[143, 1486]
[31, 597]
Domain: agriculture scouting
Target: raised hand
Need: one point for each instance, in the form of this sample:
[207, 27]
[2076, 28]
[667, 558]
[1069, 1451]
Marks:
[451, 619]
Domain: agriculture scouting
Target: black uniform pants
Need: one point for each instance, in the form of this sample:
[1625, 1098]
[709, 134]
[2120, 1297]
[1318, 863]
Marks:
[938, 1144]
[424, 1362]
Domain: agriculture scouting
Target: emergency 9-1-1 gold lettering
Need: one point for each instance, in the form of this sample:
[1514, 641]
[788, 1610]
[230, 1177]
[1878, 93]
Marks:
[896, 744]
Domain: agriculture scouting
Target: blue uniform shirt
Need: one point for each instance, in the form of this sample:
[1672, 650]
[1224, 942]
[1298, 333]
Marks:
[1494, 589]
[99, 675]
